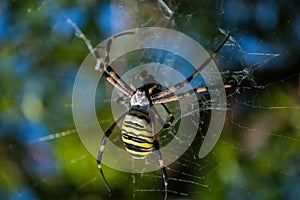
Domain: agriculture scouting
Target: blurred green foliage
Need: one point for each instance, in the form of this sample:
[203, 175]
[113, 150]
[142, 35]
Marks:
[258, 154]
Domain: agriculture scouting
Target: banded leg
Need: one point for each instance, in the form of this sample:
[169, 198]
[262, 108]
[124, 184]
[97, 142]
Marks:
[103, 142]
[176, 97]
[171, 117]
[190, 78]
[131, 82]
[119, 81]
[160, 159]
[103, 66]
[158, 117]
[155, 114]
[108, 45]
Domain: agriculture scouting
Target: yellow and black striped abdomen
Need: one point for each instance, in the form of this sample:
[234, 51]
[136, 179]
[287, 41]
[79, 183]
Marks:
[137, 135]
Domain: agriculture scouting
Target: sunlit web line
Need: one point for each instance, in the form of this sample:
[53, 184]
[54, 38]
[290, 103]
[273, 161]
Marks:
[277, 82]
[188, 166]
[185, 164]
[87, 183]
[178, 180]
[185, 177]
[269, 107]
[76, 160]
[232, 146]
[186, 180]
[173, 180]
[261, 131]
[257, 65]
[246, 74]
[262, 87]
[159, 190]
[269, 56]
[53, 136]
[187, 174]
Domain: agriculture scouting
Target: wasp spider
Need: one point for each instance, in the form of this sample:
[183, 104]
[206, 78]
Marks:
[138, 130]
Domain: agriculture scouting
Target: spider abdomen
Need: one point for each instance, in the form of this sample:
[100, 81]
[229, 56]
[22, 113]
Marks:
[137, 134]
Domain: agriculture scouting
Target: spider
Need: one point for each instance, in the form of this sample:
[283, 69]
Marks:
[138, 131]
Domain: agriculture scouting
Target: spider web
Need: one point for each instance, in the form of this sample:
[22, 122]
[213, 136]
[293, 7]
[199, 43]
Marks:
[259, 146]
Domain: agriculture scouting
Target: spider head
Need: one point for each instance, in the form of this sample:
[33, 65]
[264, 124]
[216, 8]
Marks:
[140, 100]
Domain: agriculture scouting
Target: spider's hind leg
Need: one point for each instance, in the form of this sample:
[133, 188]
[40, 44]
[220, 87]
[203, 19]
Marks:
[171, 117]
[160, 159]
[102, 146]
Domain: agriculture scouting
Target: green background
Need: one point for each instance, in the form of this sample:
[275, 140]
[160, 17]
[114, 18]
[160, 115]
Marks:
[257, 156]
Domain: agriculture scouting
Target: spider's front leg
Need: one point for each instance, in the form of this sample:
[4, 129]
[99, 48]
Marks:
[103, 65]
[176, 97]
[172, 89]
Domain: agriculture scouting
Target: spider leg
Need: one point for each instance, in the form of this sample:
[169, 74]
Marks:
[108, 45]
[157, 116]
[101, 150]
[161, 121]
[171, 119]
[190, 78]
[117, 84]
[118, 79]
[131, 81]
[104, 67]
[176, 97]
[160, 159]
[108, 71]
